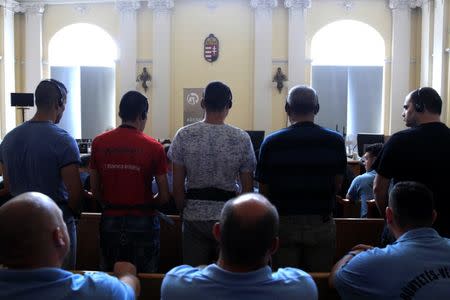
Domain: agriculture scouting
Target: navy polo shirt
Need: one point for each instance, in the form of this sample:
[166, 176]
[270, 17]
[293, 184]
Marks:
[299, 164]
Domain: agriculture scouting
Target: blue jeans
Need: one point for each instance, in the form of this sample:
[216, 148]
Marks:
[71, 257]
[130, 238]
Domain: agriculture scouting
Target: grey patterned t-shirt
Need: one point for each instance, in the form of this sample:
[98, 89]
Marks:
[213, 156]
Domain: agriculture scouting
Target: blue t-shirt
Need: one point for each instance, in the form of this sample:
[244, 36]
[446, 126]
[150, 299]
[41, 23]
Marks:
[362, 189]
[33, 155]
[416, 266]
[213, 282]
[57, 284]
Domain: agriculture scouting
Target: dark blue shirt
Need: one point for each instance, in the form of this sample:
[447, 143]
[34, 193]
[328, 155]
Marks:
[299, 164]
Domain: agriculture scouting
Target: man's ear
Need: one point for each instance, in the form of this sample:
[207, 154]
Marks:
[389, 216]
[275, 245]
[216, 231]
[434, 216]
[202, 103]
[59, 238]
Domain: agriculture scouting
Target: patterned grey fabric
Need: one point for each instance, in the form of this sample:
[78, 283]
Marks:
[213, 156]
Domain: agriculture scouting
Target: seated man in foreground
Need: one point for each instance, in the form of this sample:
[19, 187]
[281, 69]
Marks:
[34, 243]
[416, 266]
[248, 236]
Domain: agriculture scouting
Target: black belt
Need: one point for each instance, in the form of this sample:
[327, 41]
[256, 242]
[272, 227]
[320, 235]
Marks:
[213, 194]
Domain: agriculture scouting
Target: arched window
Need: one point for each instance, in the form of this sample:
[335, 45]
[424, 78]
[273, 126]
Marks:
[82, 45]
[83, 57]
[347, 72]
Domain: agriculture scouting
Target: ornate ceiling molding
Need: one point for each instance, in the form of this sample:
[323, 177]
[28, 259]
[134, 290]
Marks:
[10, 5]
[161, 5]
[297, 4]
[128, 6]
[31, 8]
[263, 3]
[404, 4]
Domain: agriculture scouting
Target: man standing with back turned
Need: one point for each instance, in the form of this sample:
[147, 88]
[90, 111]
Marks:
[123, 163]
[39, 156]
[420, 153]
[300, 170]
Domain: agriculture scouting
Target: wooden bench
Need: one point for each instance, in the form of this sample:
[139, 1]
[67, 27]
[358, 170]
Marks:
[151, 286]
[353, 231]
[349, 232]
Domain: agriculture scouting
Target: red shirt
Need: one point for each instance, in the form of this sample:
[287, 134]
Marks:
[127, 160]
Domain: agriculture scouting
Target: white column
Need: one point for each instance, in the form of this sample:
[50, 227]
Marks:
[401, 59]
[33, 48]
[296, 38]
[425, 61]
[7, 67]
[160, 102]
[127, 44]
[439, 43]
[262, 86]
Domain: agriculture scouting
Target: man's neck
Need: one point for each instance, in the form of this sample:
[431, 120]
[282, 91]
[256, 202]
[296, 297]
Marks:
[239, 269]
[429, 118]
[133, 124]
[217, 118]
[44, 117]
[301, 118]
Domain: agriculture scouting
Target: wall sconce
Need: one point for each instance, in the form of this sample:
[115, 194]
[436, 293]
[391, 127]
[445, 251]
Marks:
[279, 78]
[143, 78]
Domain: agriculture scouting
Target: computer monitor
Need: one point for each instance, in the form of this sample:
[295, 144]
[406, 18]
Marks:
[257, 137]
[22, 99]
[364, 139]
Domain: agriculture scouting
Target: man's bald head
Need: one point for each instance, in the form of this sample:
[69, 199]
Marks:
[249, 226]
[32, 231]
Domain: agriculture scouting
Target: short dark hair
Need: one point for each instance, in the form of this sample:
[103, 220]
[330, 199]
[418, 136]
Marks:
[133, 105]
[374, 149]
[245, 242]
[412, 204]
[427, 98]
[217, 97]
[302, 100]
[48, 92]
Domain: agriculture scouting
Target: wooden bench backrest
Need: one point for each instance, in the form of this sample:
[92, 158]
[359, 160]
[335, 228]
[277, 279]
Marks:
[349, 232]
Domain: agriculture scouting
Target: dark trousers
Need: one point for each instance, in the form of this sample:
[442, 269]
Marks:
[130, 238]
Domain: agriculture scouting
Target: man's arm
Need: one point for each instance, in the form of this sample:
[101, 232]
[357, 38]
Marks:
[71, 178]
[338, 179]
[344, 260]
[246, 179]
[5, 190]
[179, 175]
[95, 185]
[380, 192]
[163, 189]
[126, 272]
